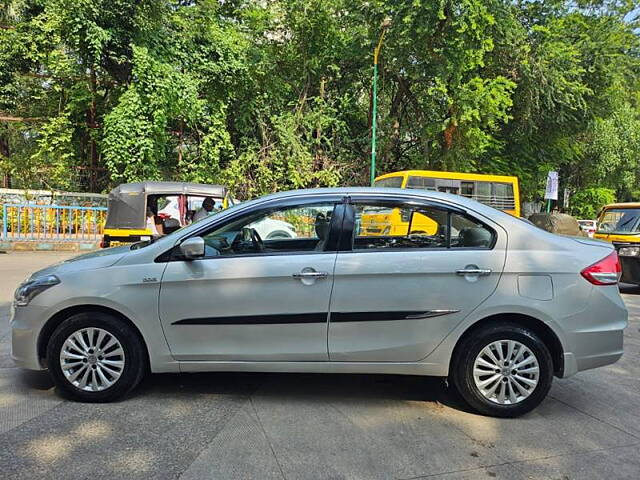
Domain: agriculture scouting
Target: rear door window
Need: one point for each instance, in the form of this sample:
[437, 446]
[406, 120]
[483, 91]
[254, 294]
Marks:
[405, 226]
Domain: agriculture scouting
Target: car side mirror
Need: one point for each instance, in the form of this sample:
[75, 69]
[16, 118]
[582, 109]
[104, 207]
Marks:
[192, 248]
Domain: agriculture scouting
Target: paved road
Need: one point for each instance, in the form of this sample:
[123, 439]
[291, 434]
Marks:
[264, 426]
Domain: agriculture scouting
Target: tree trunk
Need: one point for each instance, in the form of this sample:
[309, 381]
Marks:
[4, 152]
[92, 124]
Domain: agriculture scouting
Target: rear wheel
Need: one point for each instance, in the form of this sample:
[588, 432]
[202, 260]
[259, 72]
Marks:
[503, 370]
[95, 357]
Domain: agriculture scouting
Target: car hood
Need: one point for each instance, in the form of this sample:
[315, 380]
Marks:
[88, 261]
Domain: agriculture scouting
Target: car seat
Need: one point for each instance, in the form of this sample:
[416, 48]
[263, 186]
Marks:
[322, 230]
[474, 237]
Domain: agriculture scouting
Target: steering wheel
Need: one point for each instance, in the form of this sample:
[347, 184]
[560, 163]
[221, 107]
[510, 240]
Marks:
[248, 234]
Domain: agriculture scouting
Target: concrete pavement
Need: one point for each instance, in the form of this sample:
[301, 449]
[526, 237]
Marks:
[293, 426]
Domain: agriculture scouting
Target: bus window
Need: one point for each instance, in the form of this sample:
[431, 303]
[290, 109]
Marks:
[448, 189]
[503, 190]
[422, 183]
[483, 191]
[466, 189]
[497, 191]
[503, 196]
[391, 182]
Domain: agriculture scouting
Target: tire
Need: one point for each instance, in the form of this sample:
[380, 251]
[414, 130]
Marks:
[468, 376]
[126, 357]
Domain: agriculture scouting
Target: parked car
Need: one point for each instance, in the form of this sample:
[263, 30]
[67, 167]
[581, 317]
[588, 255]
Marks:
[588, 227]
[494, 303]
[271, 229]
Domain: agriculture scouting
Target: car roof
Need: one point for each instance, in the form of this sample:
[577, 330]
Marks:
[171, 188]
[448, 198]
[623, 205]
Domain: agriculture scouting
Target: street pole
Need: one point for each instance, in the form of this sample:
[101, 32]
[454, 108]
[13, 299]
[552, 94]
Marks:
[374, 114]
[374, 119]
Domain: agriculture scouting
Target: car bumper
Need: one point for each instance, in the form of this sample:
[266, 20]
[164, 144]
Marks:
[596, 335]
[26, 323]
[630, 269]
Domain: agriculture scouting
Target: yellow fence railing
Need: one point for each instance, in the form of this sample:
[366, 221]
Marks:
[52, 222]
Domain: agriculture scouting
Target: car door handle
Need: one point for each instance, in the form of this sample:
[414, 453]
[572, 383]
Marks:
[304, 274]
[474, 271]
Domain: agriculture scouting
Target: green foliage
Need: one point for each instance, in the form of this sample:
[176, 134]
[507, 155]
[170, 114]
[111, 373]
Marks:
[290, 157]
[586, 203]
[137, 131]
[265, 96]
[51, 156]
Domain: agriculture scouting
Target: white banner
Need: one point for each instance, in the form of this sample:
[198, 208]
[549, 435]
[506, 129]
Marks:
[551, 192]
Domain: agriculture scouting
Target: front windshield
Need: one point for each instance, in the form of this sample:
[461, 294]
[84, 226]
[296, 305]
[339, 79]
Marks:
[619, 220]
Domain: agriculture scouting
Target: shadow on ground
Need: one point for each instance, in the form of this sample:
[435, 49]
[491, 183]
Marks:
[285, 386]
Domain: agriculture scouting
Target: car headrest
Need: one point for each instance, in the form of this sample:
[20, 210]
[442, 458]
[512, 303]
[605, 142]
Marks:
[322, 226]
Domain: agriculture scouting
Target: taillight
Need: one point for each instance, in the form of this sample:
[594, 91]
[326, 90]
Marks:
[605, 271]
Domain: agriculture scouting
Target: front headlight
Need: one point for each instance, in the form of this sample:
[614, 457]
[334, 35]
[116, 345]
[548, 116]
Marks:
[629, 251]
[25, 292]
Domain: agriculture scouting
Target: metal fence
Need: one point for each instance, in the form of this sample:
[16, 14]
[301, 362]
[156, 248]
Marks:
[52, 222]
[52, 197]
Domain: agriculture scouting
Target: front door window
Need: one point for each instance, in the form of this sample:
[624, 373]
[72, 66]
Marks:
[293, 229]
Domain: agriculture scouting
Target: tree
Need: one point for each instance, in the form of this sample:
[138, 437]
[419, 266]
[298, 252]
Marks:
[264, 96]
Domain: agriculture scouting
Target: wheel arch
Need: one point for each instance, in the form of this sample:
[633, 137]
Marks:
[59, 317]
[539, 327]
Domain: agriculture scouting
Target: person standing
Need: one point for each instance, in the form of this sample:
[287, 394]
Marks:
[154, 223]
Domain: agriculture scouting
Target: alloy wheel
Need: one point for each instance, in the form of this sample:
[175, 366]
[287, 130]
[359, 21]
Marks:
[506, 372]
[92, 359]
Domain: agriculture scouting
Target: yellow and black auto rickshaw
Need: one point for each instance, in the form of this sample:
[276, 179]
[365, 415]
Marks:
[619, 223]
[139, 211]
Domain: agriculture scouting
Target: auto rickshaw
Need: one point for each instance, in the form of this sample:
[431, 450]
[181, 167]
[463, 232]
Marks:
[170, 205]
[619, 223]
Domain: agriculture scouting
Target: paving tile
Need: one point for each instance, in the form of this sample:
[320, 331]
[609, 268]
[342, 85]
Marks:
[156, 434]
[240, 450]
[352, 428]
[498, 472]
[618, 463]
[24, 396]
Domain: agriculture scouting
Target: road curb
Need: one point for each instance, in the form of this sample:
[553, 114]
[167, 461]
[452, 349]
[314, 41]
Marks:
[38, 246]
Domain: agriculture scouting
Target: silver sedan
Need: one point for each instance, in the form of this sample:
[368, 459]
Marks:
[373, 281]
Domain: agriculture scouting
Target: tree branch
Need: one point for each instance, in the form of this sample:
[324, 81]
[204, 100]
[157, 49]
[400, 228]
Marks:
[9, 118]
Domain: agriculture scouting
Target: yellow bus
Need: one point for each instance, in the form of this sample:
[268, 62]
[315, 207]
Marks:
[498, 191]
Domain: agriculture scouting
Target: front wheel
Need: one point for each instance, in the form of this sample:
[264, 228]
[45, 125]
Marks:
[95, 357]
[503, 370]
